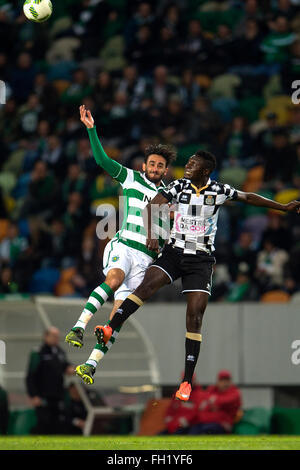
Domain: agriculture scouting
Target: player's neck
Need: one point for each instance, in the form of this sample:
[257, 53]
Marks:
[200, 183]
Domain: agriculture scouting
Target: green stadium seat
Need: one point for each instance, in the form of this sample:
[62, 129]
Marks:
[285, 421]
[234, 176]
[254, 421]
[21, 422]
[59, 25]
[7, 182]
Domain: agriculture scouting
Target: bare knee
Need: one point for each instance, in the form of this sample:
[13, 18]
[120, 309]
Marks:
[146, 289]
[154, 279]
[194, 315]
[115, 278]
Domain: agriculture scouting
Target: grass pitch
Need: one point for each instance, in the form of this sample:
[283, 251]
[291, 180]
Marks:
[116, 443]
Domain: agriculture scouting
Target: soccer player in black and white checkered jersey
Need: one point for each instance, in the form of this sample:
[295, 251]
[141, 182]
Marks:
[188, 252]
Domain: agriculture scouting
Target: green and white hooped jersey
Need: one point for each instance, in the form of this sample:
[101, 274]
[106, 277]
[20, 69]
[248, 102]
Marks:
[138, 192]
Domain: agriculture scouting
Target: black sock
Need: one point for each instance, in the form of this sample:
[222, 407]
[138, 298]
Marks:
[128, 307]
[192, 350]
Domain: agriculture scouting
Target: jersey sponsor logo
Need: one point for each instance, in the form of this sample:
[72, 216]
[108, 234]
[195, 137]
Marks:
[184, 198]
[147, 198]
[188, 224]
[209, 200]
[115, 258]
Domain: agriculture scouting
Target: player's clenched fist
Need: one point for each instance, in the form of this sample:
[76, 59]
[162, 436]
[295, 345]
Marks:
[152, 244]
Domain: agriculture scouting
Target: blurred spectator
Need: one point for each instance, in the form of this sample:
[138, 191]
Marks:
[264, 138]
[75, 412]
[173, 121]
[133, 86]
[54, 157]
[4, 411]
[275, 44]
[243, 252]
[278, 231]
[291, 68]
[45, 384]
[47, 94]
[160, 88]
[75, 181]
[249, 41]
[242, 289]
[238, 143]
[196, 48]
[7, 283]
[203, 122]
[22, 77]
[104, 91]
[169, 48]
[74, 218]
[9, 121]
[142, 17]
[270, 266]
[43, 192]
[28, 116]
[189, 89]
[223, 49]
[58, 242]
[180, 415]
[12, 246]
[280, 158]
[78, 89]
[85, 158]
[120, 116]
[216, 413]
[142, 51]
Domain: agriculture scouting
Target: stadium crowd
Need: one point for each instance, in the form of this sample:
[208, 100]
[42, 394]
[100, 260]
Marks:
[200, 74]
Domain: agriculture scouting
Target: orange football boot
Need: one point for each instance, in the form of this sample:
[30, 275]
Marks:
[103, 333]
[184, 391]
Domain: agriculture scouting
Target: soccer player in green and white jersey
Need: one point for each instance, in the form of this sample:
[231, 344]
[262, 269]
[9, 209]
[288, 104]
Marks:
[126, 257]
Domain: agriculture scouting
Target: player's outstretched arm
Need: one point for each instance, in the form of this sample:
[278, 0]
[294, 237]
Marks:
[113, 168]
[260, 201]
[152, 242]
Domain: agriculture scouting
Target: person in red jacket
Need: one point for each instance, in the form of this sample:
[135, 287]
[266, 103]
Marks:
[180, 415]
[218, 407]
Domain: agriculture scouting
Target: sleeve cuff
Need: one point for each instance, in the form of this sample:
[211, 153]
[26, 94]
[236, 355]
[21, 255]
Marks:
[168, 196]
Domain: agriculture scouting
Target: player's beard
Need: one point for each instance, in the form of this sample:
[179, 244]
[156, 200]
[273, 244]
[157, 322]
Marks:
[154, 178]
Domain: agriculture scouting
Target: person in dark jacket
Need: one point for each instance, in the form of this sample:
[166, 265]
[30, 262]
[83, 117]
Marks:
[75, 412]
[4, 411]
[45, 384]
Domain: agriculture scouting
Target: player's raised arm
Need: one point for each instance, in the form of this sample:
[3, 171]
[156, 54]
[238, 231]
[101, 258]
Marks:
[113, 168]
[152, 243]
[260, 201]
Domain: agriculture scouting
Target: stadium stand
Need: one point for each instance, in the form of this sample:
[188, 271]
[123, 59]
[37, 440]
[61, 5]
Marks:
[172, 72]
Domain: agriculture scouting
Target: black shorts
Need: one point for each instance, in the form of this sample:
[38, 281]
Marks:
[195, 270]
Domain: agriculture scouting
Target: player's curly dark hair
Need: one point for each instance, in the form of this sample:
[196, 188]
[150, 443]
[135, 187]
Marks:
[165, 151]
[209, 158]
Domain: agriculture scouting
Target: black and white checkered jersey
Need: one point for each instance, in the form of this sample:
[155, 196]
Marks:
[196, 213]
